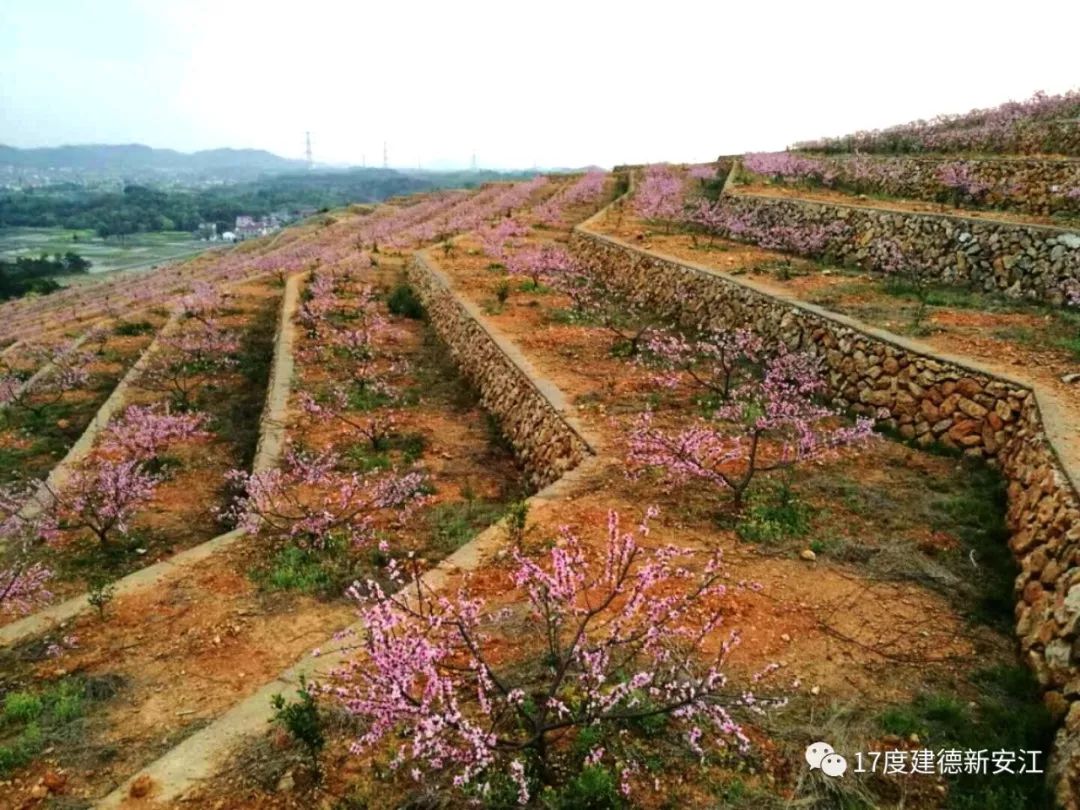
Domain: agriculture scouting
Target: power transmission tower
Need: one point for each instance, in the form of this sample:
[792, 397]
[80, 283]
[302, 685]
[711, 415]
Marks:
[474, 161]
[307, 149]
[385, 159]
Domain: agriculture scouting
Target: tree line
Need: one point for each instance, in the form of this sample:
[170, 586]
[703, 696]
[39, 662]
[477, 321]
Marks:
[140, 208]
[26, 275]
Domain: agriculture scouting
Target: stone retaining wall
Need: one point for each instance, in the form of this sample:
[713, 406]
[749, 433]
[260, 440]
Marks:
[928, 399]
[1022, 261]
[531, 412]
[1038, 186]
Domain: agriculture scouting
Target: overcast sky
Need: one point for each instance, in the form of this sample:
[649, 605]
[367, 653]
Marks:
[520, 84]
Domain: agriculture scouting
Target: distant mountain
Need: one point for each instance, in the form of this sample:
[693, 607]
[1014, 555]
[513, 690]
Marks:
[118, 159]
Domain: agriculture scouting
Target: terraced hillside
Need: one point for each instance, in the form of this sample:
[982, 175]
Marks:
[597, 490]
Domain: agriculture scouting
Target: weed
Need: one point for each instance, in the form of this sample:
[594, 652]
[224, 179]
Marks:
[33, 720]
[22, 707]
[594, 788]
[363, 397]
[367, 460]
[438, 378]
[412, 446]
[502, 292]
[102, 592]
[775, 516]
[1006, 715]
[517, 516]
[498, 441]
[66, 701]
[1071, 345]
[302, 720]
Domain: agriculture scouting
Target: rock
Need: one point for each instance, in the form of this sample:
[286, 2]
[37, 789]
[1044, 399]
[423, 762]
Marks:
[785, 637]
[63, 424]
[971, 408]
[39, 792]
[286, 783]
[1072, 600]
[1056, 705]
[1071, 377]
[1057, 654]
[54, 781]
[1033, 591]
[815, 690]
[141, 786]
[808, 555]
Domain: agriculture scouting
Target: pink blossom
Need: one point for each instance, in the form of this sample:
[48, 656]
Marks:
[143, 431]
[774, 423]
[614, 626]
[660, 194]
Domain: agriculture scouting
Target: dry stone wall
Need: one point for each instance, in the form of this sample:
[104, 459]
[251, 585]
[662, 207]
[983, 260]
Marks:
[531, 413]
[1022, 261]
[930, 400]
[1038, 186]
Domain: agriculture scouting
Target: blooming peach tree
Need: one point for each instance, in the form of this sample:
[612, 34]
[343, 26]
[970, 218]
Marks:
[710, 360]
[311, 502]
[597, 298]
[770, 422]
[23, 581]
[620, 634]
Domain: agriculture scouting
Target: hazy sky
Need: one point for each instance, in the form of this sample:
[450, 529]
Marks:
[521, 84]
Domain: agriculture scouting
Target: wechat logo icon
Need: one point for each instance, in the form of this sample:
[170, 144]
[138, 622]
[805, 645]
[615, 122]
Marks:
[821, 755]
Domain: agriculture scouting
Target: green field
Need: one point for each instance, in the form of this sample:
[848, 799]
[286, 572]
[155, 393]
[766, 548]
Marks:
[140, 250]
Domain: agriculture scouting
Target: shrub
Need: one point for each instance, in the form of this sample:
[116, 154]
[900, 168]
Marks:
[132, 328]
[404, 301]
[302, 720]
[22, 707]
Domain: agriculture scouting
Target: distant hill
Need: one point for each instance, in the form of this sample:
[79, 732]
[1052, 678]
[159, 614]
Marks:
[119, 159]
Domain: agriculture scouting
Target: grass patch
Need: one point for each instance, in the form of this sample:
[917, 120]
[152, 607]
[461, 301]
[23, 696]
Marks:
[297, 569]
[964, 502]
[364, 459]
[454, 524]
[39, 718]
[438, 378]
[133, 328]
[775, 514]
[1006, 715]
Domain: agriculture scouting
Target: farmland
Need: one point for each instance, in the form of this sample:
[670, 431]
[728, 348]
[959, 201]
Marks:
[137, 251]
